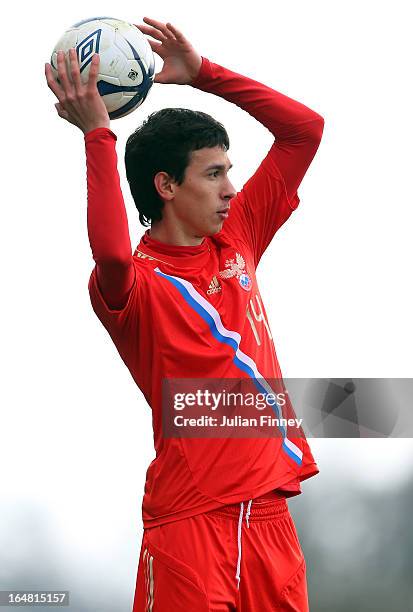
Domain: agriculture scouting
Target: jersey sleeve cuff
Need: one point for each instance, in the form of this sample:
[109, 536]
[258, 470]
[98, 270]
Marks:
[98, 132]
[205, 73]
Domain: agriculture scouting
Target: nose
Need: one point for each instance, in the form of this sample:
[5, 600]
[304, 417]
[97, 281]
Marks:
[229, 191]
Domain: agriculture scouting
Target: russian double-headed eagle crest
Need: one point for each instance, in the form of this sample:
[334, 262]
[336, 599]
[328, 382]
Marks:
[237, 268]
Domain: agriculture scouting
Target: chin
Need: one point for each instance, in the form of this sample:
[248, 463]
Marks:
[211, 231]
[219, 227]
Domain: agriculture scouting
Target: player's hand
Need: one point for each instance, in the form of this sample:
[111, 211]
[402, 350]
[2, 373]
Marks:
[79, 103]
[181, 63]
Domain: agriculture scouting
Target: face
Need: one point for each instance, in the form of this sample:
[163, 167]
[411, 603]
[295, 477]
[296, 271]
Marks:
[205, 191]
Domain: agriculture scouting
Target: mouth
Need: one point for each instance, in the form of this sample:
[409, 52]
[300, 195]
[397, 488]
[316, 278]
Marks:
[223, 213]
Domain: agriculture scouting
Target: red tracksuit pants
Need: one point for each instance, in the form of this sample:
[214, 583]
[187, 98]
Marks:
[243, 557]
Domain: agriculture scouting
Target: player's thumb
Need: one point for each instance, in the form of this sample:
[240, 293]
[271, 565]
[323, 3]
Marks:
[160, 77]
[61, 111]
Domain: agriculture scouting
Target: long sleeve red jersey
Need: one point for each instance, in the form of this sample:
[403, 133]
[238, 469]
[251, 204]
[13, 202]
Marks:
[195, 312]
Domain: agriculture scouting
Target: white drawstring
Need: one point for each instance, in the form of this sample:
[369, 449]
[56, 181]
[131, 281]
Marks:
[241, 513]
[247, 516]
[237, 575]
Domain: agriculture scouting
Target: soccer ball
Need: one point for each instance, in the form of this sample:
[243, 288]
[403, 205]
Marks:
[127, 64]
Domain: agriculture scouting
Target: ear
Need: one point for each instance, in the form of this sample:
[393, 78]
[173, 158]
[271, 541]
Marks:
[164, 185]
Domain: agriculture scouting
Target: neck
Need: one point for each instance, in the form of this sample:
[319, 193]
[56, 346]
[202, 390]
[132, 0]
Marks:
[174, 235]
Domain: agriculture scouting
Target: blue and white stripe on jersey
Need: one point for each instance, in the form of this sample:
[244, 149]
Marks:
[232, 338]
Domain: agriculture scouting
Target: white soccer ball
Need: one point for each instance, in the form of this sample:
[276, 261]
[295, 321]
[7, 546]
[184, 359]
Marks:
[127, 63]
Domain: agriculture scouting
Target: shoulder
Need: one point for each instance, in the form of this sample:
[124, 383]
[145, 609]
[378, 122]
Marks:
[134, 300]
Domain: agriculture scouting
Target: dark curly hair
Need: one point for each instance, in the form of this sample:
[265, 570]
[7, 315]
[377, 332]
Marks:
[164, 143]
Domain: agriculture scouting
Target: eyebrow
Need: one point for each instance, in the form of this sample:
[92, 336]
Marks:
[217, 167]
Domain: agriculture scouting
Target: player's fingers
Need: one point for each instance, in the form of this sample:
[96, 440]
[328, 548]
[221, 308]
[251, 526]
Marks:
[177, 33]
[152, 32]
[158, 25]
[93, 72]
[156, 48]
[62, 72]
[74, 69]
[52, 83]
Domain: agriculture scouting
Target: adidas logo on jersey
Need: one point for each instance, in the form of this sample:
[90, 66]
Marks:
[214, 286]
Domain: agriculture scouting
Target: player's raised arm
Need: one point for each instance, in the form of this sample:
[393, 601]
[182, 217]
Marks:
[81, 105]
[268, 198]
[296, 128]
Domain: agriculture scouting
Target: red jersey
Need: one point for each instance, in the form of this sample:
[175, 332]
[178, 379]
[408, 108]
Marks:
[196, 312]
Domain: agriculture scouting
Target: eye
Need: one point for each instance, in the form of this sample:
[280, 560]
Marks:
[215, 173]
